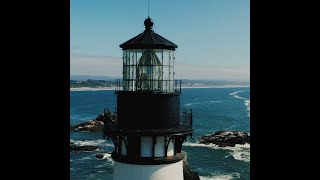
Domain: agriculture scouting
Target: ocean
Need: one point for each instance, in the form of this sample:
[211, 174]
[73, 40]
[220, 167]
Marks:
[213, 109]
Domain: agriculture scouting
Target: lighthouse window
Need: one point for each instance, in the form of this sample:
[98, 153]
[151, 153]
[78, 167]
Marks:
[149, 71]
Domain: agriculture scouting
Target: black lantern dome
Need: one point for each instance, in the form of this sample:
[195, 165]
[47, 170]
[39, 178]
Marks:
[148, 23]
[148, 40]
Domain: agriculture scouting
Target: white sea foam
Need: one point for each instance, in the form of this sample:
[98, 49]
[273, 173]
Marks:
[239, 152]
[107, 156]
[98, 142]
[247, 103]
[220, 176]
[189, 104]
[72, 169]
[195, 103]
[238, 97]
[199, 145]
[85, 158]
[242, 152]
[100, 166]
[216, 101]
[236, 92]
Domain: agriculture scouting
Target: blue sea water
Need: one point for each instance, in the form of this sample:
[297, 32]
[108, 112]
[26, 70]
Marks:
[213, 109]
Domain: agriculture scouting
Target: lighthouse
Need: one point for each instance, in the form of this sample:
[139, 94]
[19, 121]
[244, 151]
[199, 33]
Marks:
[150, 126]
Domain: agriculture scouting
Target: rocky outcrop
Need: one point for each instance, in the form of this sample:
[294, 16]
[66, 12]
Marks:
[92, 125]
[99, 156]
[96, 124]
[225, 138]
[76, 148]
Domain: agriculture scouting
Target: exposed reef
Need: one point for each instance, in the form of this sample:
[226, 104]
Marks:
[77, 148]
[226, 138]
[95, 124]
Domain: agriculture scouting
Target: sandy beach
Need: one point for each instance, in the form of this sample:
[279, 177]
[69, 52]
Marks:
[182, 87]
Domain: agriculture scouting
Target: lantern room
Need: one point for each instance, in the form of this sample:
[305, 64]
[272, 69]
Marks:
[148, 62]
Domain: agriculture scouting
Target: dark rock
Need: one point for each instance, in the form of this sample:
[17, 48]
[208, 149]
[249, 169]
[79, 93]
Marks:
[92, 125]
[75, 148]
[100, 156]
[96, 124]
[225, 138]
[100, 117]
[188, 174]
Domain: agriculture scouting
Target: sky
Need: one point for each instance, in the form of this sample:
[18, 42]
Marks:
[213, 36]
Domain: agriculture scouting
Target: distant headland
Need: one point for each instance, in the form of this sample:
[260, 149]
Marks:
[108, 83]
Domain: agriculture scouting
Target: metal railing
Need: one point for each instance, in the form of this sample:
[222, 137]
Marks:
[163, 86]
[111, 124]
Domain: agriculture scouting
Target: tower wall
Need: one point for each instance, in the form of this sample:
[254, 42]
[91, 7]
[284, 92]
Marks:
[124, 171]
[147, 111]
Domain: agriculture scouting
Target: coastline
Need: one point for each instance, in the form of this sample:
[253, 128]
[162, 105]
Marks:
[182, 87]
[92, 89]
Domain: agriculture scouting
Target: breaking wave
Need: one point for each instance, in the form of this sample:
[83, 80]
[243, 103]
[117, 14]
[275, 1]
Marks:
[195, 103]
[98, 142]
[85, 158]
[239, 152]
[246, 101]
[220, 176]
[107, 156]
[236, 92]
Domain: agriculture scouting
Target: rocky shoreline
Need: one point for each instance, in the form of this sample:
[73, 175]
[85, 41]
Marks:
[92, 125]
[78, 148]
[95, 124]
[224, 138]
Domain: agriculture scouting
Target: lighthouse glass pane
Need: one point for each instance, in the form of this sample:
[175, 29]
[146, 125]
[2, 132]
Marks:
[132, 57]
[168, 76]
[170, 151]
[139, 54]
[123, 147]
[146, 146]
[129, 68]
[149, 71]
[159, 147]
[124, 58]
[166, 57]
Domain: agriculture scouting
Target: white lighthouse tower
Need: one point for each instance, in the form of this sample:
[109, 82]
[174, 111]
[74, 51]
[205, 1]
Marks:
[150, 128]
